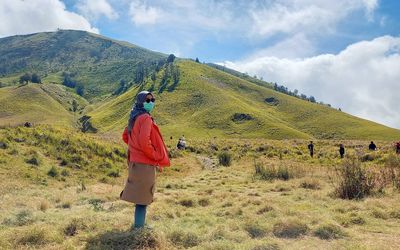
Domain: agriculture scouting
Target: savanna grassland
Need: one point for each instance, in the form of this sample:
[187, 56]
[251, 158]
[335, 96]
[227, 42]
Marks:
[60, 190]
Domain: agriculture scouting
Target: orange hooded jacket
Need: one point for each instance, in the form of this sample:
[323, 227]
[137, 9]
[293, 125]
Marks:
[145, 143]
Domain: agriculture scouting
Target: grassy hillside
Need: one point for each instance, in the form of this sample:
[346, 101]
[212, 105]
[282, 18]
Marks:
[59, 189]
[31, 103]
[205, 101]
[96, 62]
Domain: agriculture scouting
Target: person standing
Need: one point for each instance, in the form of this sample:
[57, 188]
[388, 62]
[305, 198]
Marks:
[146, 153]
[311, 149]
[341, 151]
[372, 146]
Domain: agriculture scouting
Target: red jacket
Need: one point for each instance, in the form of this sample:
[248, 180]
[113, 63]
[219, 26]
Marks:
[145, 143]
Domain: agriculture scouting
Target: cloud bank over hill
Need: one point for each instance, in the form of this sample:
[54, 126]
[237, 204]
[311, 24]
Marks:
[363, 79]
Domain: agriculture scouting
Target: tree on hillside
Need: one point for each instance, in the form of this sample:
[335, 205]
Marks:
[35, 78]
[312, 99]
[171, 58]
[68, 80]
[80, 89]
[74, 105]
[25, 78]
[197, 60]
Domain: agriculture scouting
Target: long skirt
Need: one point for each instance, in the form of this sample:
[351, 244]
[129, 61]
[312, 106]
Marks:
[140, 185]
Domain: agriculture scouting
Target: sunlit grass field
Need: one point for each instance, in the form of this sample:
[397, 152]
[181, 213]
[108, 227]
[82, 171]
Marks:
[60, 190]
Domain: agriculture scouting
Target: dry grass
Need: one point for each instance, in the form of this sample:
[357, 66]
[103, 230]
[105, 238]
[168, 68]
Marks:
[199, 208]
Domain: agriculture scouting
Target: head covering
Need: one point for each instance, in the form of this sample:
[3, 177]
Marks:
[137, 108]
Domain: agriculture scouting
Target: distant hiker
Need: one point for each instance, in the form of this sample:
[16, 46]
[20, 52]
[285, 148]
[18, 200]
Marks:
[311, 149]
[146, 153]
[398, 147]
[372, 146]
[181, 143]
[341, 150]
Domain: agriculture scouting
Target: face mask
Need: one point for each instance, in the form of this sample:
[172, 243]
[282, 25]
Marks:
[148, 106]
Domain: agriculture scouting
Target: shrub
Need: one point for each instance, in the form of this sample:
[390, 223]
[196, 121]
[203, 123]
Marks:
[255, 230]
[97, 204]
[174, 153]
[290, 229]
[34, 160]
[187, 202]
[34, 236]
[113, 173]
[204, 202]
[72, 228]
[65, 172]
[265, 210]
[310, 184]
[53, 172]
[354, 181]
[329, 231]
[184, 239]
[271, 172]
[225, 158]
[392, 164]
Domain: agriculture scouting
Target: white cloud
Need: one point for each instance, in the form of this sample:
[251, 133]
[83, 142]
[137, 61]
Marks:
[93, 9]
[304, 16]
[23, 17]
[363, 79]
[141, 13]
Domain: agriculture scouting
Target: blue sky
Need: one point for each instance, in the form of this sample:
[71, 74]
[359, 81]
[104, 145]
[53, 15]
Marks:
[343, 52]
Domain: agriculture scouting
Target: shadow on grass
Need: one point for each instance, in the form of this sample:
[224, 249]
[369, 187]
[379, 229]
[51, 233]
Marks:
[135, 239]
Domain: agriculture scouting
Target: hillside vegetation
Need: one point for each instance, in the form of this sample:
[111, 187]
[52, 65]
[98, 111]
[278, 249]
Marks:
[207, 102]
[59, 189]
[33, 104]
[95, 62]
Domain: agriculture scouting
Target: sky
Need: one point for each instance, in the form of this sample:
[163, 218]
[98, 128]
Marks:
[343, 52]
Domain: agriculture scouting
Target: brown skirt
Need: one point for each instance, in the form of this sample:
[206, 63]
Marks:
[140, 185]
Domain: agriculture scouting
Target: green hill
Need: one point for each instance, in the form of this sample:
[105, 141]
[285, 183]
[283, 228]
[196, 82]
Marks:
[39, 103]
[95, 62]
[208, 102]
[198, 100]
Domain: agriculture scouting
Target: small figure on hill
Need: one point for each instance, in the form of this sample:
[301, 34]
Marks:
[311, 149]
[181, 143]
[398, 147]
[27, 125]
[372, 146]
[341, 150]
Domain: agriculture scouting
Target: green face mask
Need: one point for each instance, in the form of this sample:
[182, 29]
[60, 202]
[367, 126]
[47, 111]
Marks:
[148, 106]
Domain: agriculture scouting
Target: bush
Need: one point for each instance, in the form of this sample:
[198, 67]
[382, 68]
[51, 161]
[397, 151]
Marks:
[34, 236]
[290, 229]
[113, 173]
[329, 231]
[53, 172]
[184, 239]
[310, 184]
[255, 231]
[34, 160]
[354, 181]
[392, 164]
[225, 158]
[271, 172]
[187, 202]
